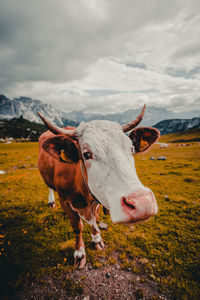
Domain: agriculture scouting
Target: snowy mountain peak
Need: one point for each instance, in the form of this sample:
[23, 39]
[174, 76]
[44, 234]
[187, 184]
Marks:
[177, 125]
[28, 108]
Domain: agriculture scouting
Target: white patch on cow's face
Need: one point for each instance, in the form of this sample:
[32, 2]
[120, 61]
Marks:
[111, 170]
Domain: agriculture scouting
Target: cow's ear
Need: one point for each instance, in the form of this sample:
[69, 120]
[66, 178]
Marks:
[143, 138]
[62, 148]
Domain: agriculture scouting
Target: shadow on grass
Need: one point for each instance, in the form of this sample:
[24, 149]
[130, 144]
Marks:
[29, 248]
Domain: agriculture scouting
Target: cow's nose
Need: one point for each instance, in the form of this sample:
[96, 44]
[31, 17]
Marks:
[140, 205]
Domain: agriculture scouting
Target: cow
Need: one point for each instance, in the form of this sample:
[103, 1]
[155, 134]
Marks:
[93, 164]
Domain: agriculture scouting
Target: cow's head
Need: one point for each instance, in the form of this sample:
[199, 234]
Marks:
[107, 153]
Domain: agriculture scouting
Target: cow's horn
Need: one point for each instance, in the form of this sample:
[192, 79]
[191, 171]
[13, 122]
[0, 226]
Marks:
[129, 126]
[57, 130]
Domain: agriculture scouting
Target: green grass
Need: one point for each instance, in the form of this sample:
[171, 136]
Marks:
[36, 240]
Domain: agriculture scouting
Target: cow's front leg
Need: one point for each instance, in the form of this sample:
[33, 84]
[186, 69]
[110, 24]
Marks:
[79, 253]
[97, 239]
[77, 225]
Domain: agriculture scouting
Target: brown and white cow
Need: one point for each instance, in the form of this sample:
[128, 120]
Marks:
[93, 164]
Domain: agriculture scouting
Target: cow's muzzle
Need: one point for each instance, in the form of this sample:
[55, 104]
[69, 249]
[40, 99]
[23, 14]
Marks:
[139, 206]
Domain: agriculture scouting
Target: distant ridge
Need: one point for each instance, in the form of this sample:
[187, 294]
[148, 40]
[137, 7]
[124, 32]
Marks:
[177, 125]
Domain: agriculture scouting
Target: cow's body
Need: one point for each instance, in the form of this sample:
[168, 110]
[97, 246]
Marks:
[98, 164]
[67, 180]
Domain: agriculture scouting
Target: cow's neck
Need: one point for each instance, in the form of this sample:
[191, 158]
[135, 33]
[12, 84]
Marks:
[86, 181]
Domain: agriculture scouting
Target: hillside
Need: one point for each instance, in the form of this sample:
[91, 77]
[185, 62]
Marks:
[190, 135]
[19, 128]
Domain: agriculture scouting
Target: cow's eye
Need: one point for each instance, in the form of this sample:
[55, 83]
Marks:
[87, 155]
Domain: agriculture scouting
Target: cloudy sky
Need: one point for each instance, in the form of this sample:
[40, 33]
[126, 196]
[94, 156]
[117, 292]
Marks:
[102, 56]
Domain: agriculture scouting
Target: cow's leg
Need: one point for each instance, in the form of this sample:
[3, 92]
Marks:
[96, 235]
[52, 202]
[77, 225]
[96, 239]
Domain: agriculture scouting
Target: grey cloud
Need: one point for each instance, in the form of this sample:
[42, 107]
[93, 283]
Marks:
[58, 41]
[136, 65]
[183, 73]
[105, 93]
[101, 93]
[46, 43]
[187, 50]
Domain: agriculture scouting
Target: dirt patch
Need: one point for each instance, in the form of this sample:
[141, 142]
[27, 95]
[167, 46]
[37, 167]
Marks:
[109, 282]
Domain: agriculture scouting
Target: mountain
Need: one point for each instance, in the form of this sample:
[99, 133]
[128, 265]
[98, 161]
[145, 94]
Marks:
[177, 125]
[28, 108]
[152, 115]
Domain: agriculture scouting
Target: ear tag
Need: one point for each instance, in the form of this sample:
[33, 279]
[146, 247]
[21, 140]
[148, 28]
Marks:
[63, 157]
[143, 145]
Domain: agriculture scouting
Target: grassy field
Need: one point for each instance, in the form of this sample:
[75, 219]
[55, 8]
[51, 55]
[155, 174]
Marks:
[36, 240]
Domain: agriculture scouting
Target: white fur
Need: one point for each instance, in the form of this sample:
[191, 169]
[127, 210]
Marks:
[51, 196]
[96, 238]
[79, 253]
[112, 173]
[91, 222]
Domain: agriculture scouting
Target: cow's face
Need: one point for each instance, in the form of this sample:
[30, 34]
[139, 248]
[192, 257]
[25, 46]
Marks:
[108, 157]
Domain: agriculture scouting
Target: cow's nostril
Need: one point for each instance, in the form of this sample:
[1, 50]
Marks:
[128, 203]
[139, 206]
